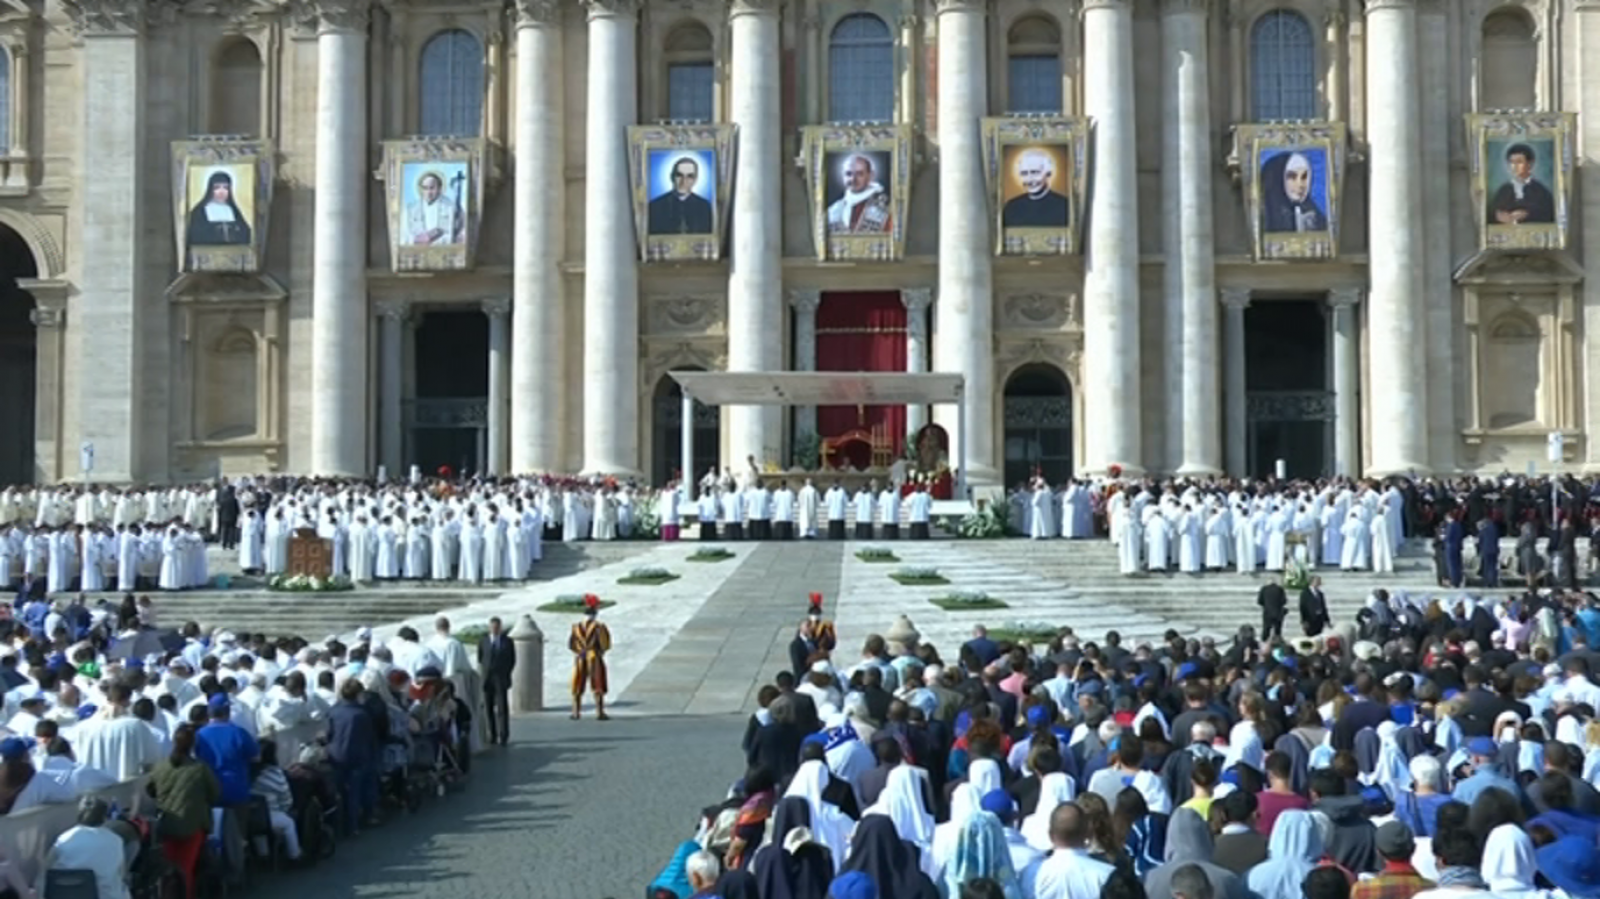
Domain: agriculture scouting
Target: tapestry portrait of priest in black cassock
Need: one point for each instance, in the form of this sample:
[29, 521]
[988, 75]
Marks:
[680, 209]
[216, 219]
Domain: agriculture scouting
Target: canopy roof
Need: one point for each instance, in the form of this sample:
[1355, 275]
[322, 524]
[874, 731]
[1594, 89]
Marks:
[819, 388]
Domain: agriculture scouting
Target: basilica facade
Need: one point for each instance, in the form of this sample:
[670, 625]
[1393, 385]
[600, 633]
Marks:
[1196, 236]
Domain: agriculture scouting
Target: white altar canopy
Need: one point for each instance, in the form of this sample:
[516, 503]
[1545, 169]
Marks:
[820, 388]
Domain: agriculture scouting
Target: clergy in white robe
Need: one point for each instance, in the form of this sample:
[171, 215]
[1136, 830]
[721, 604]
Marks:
[363, 550]
[836, 504]
[864, 506]
[535, 537]
[1244, 542]
[517, 561]
[1042, 523]
[605, 518]
[1217, 540]
[471, 568]
[1332, 536]
[171, 577]
[808, 505]
[1354, 555]
[1382, 545]
[783, 512]
[446, 536]
[571, 526]
[1305, 527]
[91, 575]
[1130, 544]
[387, 566]
[63, 561]
[250, 541]
[333, 532]
[1157, 538]
[1077, 512]
[494, 548]
[276, 545]
[1189, 545]
[417, 543]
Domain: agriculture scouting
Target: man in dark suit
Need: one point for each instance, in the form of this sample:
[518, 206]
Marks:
[681, 210]
[228, 516]
[1314, 608]
[497, 656]
[1274, 603]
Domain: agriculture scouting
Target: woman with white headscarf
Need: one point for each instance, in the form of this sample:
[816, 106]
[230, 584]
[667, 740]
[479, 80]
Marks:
[985, 775]
[1508, 864]
[1295, 848]
[903, 803]
[965, 802]
[1391, 771]
[830, 827]
[981, 851]
[1056, 788]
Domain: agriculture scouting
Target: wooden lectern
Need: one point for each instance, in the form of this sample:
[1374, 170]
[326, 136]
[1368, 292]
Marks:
[310, 555]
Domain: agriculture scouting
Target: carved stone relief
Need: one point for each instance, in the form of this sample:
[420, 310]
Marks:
[1065, 352]
[1043, 311]
[662, 356]
[685, 315]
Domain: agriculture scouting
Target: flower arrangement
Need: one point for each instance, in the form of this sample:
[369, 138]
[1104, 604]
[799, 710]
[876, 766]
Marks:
[710, 554]
[576, 602]
[807, 452]
[1295, 575]
[919, 576]
[649, 576]
[984, 524]
[968, 601]
[647, 523]
[1024, 632]
[876, 554]
[305, 583]
[471, 635]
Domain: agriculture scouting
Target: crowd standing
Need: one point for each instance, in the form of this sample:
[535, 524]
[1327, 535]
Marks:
[95, 696]
[1444, 747]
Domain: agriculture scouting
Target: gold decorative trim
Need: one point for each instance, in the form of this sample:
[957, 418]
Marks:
[1550, 136]
[1064, 142]
[1311, 141]
[654, 152]
[872, 229]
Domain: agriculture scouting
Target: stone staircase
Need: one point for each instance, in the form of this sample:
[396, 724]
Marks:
[314, 616]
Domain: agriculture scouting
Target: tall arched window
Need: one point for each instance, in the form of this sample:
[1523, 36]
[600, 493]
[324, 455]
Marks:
[236, 89]
[1508, 64]
[1033, 75]
[452, 85]
[691, 75]
[5, 100]
[861, 70]
[1283, 67]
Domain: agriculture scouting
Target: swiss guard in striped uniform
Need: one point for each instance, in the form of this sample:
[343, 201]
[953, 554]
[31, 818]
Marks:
[589, 643]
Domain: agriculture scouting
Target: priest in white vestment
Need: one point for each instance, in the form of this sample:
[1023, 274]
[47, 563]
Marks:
[808, 505]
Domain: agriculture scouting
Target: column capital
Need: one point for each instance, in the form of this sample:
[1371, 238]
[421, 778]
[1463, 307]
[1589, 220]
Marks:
[47, 317]
[917, 299]
[754, 7]
[1344, 297]
[1179, 7]
[1090, 5]
[497, 307]
[611, 9]
[392, 310]
[805, 301]
[1236, 297]
[944, 6]
[1374, 5]
[533, 13]
[109, 17]
[334, 16]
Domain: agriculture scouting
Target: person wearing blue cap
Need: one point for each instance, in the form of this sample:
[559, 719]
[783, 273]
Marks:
[1000, 804]
[228, 750]
[853, 885]
[1486, 772]
[1573, 865]
[21, 786]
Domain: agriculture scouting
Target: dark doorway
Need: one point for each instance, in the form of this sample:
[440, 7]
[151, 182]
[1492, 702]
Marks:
[1038, 424]
[1289, 407]
[18, 355]
[667, 419]
[449, 419]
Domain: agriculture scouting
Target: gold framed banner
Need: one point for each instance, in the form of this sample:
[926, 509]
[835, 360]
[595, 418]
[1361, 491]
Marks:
[1037, 177]
[221, 203]
[1521, 165]
[682, 180]
[1293, 173]
[860, 180]
[434, 193]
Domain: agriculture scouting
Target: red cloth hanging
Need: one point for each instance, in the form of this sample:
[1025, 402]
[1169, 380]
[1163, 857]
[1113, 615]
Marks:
[862, 331]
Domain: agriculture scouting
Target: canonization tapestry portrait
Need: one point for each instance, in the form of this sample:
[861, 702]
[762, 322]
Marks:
[434, 193]
[681, 181]
[222, 190]
[859, 176]
[1292, 175]
[1034, 170]
[1521, 166]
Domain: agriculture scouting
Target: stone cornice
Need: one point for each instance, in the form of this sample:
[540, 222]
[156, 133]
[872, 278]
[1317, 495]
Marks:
[328, 16]
[109, 16]
[537, 12]
[1107, 4]
[754, 7]
[599, 9]
[1373, 5]
[961, 6]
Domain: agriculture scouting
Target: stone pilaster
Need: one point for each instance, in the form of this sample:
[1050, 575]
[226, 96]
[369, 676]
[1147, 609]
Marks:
[1346, 345]
[110, 308]
[339, 314]
[1191, 308]
[1438, 127]
[1587, 60]
[538, 319]
[1396, 326]
[392, 334]
[499, 311]
[611, 275]
[755, 270]
[1235, 399]
[964, 342]
[49, 341]
[805, 304]
[917, 301]
[1111, 385]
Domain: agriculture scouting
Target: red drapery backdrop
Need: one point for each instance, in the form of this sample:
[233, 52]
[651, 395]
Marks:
[862, 331]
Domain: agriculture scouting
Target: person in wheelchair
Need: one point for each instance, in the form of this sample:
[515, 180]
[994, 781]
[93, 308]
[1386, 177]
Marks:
[90, 847]
[272, 785]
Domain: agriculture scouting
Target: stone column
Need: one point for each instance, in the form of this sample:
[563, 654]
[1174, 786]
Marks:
[48, 338]
[392, 333]
[1346, 345]
[755, 271]
[805, 303]
[538, 302]
[1112, 401]
[499, 384]
[916, 300]
[1588, 90]
[964, 341]
[1436, 295]
[1395, 325]
[1191, 308]
[611, 276]
[109, 308]
[1235, 398]
[339, 267]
